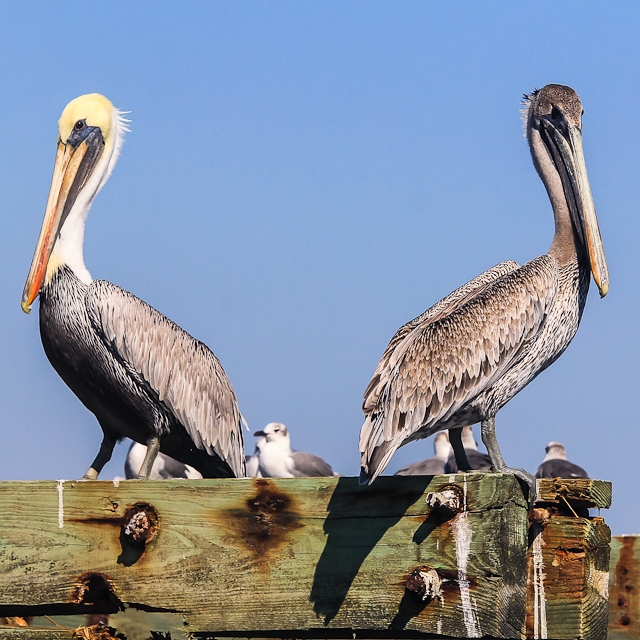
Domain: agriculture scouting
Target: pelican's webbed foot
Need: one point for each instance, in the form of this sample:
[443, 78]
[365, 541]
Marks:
[497, 461]
[525, 478]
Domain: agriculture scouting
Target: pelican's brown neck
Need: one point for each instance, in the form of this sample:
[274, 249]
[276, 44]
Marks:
[566, 245]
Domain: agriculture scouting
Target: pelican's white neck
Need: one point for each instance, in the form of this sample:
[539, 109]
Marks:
[69, 247]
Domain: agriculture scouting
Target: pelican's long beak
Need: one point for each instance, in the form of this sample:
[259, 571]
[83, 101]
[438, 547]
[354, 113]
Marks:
[583, 210]
[74, 165]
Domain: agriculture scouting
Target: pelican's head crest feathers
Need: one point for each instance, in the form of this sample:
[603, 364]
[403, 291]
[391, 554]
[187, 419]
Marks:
[527, 100]
[94, 110]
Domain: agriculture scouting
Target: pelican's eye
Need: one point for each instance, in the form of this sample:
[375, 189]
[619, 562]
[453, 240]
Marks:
[556, 114]
[80, 125]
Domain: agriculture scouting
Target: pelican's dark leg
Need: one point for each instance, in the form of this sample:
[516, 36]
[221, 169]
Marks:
[497, 461]
[153, 447]
[104, 455]
[455, 438]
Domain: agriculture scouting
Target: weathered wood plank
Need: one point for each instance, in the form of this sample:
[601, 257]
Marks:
[240, 556]
[132, 624]
[568, 578]
[624, 584]
[318, 557]
[581, 492]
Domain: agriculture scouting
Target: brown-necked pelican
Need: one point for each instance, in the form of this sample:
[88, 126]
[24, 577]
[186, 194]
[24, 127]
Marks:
[556, 465]
[276, 458]
[140, 374]
[463, 359]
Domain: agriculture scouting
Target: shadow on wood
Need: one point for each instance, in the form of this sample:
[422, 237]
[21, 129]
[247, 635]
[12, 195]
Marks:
[357, 519]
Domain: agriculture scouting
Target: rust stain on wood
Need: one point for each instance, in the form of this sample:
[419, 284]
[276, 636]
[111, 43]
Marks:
[624, 590]
[265, 520]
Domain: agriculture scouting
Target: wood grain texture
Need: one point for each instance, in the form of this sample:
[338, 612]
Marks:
[571, 581]
[580, 492]
[624, 584]
[238, 556]
[313, 557]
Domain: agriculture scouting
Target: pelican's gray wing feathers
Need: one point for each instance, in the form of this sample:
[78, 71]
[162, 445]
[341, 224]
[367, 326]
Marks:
[184, 372]
[445, 306]
[457, 351]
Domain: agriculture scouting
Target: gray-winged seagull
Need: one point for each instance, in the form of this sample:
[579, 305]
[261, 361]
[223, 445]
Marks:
[431, 466]
[164, 467]
[556, 465]
[276, 458]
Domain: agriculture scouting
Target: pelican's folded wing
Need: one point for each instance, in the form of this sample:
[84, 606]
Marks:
[445, 362]
[184, 373]
[445, 306]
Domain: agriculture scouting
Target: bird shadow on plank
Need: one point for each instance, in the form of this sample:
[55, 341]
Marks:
[411, 606]
[358, 518]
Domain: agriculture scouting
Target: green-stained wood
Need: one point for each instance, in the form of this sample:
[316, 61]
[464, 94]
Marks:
[316, 557]
[240, 556]
[624, 587]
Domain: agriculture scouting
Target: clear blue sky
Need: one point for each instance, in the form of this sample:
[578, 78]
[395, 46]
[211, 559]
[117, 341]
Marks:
[303, 178]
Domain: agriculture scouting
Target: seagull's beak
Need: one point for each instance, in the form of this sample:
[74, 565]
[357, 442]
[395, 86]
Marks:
[73, 167]
[259, 434]
[569, 159]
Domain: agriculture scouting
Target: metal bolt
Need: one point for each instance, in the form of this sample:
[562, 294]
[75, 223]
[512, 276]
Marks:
[450, 498]
[425, 583]
[140, 524]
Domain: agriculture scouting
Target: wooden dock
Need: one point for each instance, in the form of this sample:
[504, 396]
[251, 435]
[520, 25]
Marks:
[425, 556]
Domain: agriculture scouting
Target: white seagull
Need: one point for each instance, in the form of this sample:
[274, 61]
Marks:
[164, 467]
[276, 458]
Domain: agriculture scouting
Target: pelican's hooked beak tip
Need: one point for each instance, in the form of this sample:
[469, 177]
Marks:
[604, 289]
[25, 307]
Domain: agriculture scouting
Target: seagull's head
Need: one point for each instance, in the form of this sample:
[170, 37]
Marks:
[274, 432]
[441, 445]
[555, 451]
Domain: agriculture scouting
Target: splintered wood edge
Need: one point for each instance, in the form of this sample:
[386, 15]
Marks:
[584, 492]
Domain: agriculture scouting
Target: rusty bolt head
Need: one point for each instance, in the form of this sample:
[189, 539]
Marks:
[450, 499]
[140, 524]
[425, 583]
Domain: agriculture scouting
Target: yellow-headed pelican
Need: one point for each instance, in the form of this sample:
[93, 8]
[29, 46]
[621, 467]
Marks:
[463, 359]
[140, 374]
